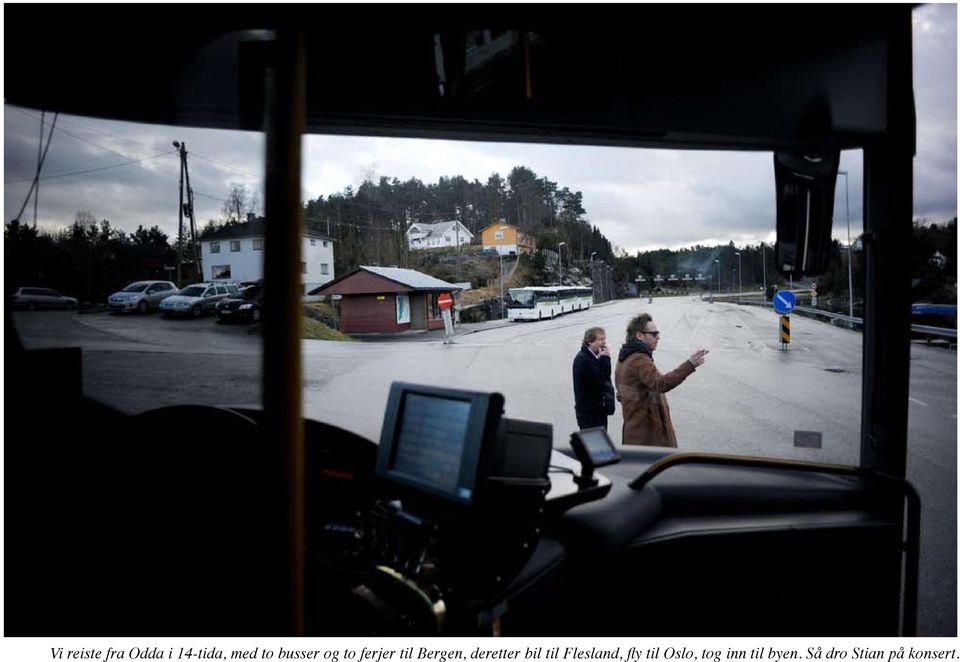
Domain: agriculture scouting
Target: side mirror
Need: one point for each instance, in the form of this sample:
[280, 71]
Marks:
[805, 188]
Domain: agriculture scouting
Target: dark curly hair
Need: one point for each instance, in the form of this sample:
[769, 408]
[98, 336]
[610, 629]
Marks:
[638, 323]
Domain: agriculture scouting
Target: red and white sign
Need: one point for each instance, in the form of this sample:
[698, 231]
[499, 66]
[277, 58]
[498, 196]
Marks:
[445, 301]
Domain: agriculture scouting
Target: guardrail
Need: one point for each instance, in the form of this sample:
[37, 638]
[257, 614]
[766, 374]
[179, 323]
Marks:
[744, 295]
[934, 331]
[853, 321]
[858, 321]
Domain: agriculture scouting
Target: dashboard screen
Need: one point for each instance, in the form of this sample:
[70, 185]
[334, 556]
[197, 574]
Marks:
[598, 446]
[430, 443]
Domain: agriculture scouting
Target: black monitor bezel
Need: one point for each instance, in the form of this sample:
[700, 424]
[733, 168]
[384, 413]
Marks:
[482, 428]
[583, 454]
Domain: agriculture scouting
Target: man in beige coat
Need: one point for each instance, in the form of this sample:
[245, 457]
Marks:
[641, 387]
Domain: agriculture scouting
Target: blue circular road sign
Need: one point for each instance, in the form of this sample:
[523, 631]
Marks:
[784, 301]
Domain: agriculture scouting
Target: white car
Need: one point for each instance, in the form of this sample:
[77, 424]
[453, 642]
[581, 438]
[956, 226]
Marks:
[141, 296]
[197, 299]
[33, 298]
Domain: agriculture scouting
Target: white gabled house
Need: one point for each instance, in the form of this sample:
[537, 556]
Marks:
[235, 253]
[437, 235]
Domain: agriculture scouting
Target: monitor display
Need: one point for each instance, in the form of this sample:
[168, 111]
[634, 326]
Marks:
[434, 439]
[430, 443]
[593, 446]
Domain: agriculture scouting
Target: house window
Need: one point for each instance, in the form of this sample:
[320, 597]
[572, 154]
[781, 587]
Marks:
[324, 269]
[434, 306]
[258, 244]
[324, 244]
[498, 234]
[448, 239]
[235, 246]
[303, 267]
[214, 246]
[220, 272]
[313, 242]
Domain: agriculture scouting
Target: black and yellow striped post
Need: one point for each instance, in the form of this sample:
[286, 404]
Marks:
[784, 331]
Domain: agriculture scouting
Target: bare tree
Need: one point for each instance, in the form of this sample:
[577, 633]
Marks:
[239, 203]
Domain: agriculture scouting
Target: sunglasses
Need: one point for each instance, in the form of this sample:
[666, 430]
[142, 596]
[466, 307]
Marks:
[655, 334]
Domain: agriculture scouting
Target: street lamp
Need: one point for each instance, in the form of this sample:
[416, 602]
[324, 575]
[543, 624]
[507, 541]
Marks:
[500, 252]
[739, 272]
[846, 186]
[718, 275]
[560, 254]
[763, 259]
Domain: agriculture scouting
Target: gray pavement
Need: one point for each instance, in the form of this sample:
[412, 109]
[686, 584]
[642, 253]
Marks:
[748, 398]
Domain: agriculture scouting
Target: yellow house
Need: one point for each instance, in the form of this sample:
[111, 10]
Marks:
[506, 239]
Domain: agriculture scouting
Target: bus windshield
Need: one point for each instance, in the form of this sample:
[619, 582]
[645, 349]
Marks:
[667, 252]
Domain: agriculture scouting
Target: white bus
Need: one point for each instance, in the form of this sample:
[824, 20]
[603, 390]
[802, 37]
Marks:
[537, 303]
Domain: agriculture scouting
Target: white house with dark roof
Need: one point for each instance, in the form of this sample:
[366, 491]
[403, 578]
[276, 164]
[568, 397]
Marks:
[235, 253]
[422, 236]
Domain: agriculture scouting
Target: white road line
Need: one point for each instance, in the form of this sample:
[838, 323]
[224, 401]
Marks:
[922, 404]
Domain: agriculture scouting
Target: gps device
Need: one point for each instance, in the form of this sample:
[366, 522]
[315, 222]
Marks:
[593, 448]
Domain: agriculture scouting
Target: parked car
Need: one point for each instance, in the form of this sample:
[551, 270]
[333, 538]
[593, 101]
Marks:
[33, 298]
[141, 296]
[196, 299]
[245, 306]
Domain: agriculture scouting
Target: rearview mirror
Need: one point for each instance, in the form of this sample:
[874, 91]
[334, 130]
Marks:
[805, 187]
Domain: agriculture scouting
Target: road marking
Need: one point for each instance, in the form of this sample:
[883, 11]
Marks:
[922, 404]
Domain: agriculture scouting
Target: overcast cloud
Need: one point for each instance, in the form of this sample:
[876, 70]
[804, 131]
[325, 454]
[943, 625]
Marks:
[639, 199]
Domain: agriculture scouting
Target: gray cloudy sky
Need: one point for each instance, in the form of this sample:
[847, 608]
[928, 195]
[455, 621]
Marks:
[639, 199]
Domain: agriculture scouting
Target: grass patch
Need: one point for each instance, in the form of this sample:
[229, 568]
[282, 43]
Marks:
[325, 308]
[314, 330]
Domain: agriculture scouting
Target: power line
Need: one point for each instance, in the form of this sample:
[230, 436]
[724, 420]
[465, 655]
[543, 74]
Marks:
[89, 170]
[70, 121]
[225, 165]
[76, 137]
[342, 224]
[39, 167]
[126, 156]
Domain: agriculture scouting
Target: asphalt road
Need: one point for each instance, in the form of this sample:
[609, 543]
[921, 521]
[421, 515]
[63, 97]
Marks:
[748, 398]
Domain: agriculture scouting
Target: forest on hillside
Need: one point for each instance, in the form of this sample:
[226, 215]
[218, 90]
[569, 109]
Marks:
[369, 223]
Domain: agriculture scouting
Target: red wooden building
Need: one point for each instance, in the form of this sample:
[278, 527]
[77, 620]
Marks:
[387, 300]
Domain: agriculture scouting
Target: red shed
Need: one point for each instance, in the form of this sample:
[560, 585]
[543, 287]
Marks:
[387, 300]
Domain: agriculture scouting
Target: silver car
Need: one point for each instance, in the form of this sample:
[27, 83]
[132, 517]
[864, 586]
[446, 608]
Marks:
[33, 298]
[196, 299]
[141, 296]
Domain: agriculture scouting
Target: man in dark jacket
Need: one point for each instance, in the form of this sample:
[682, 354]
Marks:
[592, 389]
[641, 387]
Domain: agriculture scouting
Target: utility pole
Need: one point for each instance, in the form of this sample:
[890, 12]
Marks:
[763, 260]
[188, 208]
[180, 224]
[193, 218]
[36, 193]
[846, 185]
[739, 272]
[457, 230]
[560, 256]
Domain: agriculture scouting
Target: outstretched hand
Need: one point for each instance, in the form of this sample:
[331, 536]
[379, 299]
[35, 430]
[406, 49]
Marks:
[698, 357]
